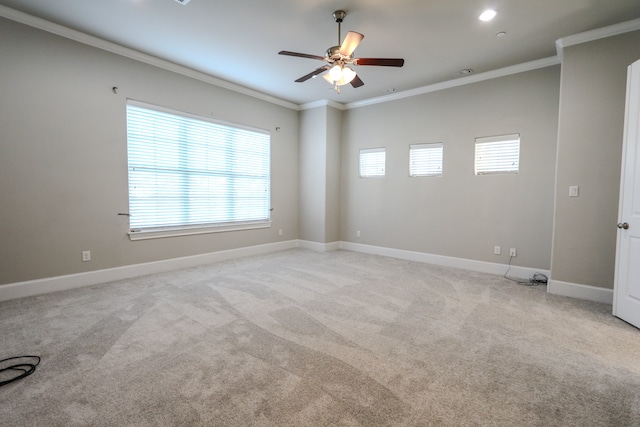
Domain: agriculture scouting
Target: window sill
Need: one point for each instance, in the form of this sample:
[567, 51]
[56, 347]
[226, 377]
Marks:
[188, 231]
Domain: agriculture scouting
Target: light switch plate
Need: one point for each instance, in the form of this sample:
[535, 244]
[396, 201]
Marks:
[574, 191]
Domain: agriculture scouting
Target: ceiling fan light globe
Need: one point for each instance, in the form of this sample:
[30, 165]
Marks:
[335, 73]
[347, 76]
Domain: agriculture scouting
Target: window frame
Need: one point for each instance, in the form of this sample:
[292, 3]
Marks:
[210, 225]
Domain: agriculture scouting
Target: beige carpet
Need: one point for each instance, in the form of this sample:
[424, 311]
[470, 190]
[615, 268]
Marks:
[299, 338]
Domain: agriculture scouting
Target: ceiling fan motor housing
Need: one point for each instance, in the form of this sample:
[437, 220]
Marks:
[333, 54]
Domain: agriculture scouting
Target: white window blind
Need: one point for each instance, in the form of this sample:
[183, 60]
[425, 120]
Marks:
[425, 159]
[187, 171]
[372, 162]
[497, 154]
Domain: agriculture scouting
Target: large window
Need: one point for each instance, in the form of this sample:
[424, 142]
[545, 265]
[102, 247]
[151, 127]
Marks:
[372, 162]
[425, 159]
[497, 154]
[191, 174]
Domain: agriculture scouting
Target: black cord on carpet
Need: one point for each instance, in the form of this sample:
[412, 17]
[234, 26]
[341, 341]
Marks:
[18, 369]
[537, 279]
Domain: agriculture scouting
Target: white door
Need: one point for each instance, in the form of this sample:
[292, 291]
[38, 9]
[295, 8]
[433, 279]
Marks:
[626, 300]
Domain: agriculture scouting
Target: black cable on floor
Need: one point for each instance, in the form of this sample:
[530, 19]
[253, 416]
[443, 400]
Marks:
[537, 279]
[18, 369]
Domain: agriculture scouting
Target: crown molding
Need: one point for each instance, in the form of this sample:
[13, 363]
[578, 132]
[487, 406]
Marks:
[322, 103]
[501, 72]
[597, 34]
[81, 37]
[78, 36]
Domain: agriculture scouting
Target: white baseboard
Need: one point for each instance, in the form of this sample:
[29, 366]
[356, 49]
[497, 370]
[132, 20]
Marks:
[575, 290]
[466, 264]
[556, 287]
[71, 281]
[319, 247]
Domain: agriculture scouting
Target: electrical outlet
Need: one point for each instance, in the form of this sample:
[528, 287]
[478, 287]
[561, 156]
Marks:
[86, 256]
[512, 252]
[280, 232]
[358, 233]
[497, 250]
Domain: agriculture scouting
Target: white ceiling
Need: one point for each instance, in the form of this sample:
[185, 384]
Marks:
[239, 40]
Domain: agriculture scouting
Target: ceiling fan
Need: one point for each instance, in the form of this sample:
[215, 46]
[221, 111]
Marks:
[339, 58]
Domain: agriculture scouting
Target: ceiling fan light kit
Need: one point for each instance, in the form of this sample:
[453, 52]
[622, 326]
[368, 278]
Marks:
[339, 58]
[339, 76]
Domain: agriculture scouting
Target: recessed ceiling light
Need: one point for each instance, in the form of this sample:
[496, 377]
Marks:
[488, 15]
[501, 34]
[465, 72]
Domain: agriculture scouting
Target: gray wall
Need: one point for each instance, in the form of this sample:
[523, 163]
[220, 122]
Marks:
[63, 159]
[313, 159]
[334, 146]
[320, 136]
[592, 98]
[459, 214]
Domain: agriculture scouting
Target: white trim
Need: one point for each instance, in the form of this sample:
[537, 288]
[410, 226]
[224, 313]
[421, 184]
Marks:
[189, 231]
[598, 33]
[322, 103]
[585, 292]
[501, 72]
[78, 36]
[319, 247]
[72, 281]
[465, 264]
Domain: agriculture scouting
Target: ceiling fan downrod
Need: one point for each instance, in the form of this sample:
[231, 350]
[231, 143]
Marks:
[339, 15]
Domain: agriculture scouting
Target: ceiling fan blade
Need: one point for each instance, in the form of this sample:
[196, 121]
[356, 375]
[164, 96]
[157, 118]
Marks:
[350, 43]
[356, 82]
[384, 62]
[312, 74]
[301, 55]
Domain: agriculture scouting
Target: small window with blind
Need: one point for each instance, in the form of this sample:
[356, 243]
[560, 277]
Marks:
[498, 155]
[425, 159]
[190, 174]
[372, 163]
